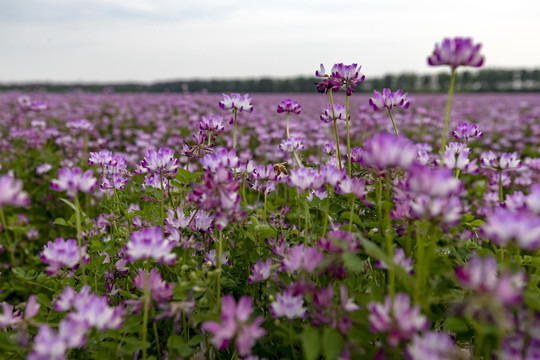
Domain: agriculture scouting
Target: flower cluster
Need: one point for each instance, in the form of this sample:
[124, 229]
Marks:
[455, 52]
[149, 243]
[389, 99]
[73, 180]
[63, 253]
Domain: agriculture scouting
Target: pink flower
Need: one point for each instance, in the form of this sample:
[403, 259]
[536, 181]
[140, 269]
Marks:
[235, 101]
[11, 192]
[456, 52]
[234, 321]
[149, 243]
[74, 180]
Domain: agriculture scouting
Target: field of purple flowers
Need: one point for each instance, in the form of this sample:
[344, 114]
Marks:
[335, 226]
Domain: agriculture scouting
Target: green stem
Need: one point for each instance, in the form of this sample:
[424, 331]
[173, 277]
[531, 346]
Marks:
[288, 125]
[161, 208]
[218, 261]
[79, 239]
[501, 194]
[393, 122]
[338, 155]
[146, 300]
[306, 228]
[235, 111]
[10, 246]
[353, 200]
[349, 162]
[297, 159]
[156, 335]
[265, 196]
[447, 114]
[291, 338]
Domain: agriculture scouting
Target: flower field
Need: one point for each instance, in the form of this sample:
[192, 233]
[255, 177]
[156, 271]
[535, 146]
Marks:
[338, 225]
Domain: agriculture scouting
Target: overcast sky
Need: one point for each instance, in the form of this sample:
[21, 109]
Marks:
[151, 40]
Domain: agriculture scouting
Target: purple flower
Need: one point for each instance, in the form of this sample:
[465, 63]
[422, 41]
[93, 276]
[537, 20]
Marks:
[455, 52]
[291, 144]
[220, 158]
[397, 318]
[347, 75]
[504, 162]
[235, 101]
[433, 182]
[466, 131]
[234, 321]
[213, 124]
[503, 226]
[389, 99]
[149, 244]
[161, 161]
[102, 158]
[289, 106]
[456, 156]
[340, 112]
[39, 105]
[62, 253]
[43, 168]
[288, 305]
[11, 192]
[306, 178]
[48, 345]
[432, 345]
[74, 180]
[161, 290]
[8, 318]
[260, 271]
[399, 260]
[480, 274]
[385, 151]
[328, 83]
[210, 257]
[302, 258]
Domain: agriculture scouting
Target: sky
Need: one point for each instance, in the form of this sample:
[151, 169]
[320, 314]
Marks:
[158, 40]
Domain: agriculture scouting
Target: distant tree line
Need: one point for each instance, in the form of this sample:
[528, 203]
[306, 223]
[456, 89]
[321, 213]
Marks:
[485, 80]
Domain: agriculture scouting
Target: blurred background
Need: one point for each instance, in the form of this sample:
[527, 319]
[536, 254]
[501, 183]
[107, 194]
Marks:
[179, 45]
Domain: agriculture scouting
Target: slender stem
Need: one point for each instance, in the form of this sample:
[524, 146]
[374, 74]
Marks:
[447, 114]
[265, 196]
[209, 138]
[235, 111]
[389, 246]
[306, 228]
[288, 124]
[79, 239]
[291, 338]
[353, 200]
[349, 162]
[501, 194]
[218, 261]
[156, 335]
[420, 249]
[393, 122]
[326, 215]
[338, 154]
[10, 245]
[297, 159]
[146, 300]
[161, 208]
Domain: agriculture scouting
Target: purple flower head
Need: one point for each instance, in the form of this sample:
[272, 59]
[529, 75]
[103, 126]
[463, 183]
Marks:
[340, 112]
[432, 182]
[48, 345]
[302, 258]
[211, 257]
[347, 75]
[11, 192]
[503, 226]
[291, 143]
[481, 274]
[62, 253]
[148, 243]
[455, 52]
[397, 318]
[456, 156]
[466, 131]
[432, 345]
[9, 318]
[289, 106]
[80, 126]
[234, 322]
[39, 105]
[212, 124]
[102, 158]
[24, 102]
[74, 180]
[504, 162]
[385, 151]
[288, 305]
[235, 101]
[306, 178]
[260, 271]
[220, 158]
[328, 83]
[389, 99]
[161, 161]
[399, 260]
[161, 290]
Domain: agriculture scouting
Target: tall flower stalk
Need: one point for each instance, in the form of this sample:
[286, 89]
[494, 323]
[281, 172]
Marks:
[388, 99]
[236, 103]
[454, 52]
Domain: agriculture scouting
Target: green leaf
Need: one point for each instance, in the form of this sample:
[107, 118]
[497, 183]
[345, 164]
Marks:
[456, 325]
[264, 231]
[353, 263]
[61, 221]
[69, 203]
[332, 343]
[477, 223]
[311, 343]
[19, 272]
